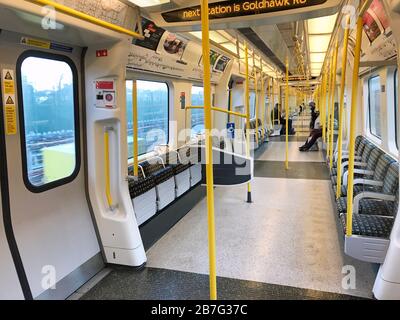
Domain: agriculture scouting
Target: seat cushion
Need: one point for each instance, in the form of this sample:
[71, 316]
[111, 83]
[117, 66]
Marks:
[141, 186]
[180, 168]
[163, 175]
[369, 225]
[369, 207]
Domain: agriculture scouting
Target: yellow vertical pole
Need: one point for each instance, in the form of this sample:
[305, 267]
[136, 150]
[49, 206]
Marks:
[328, 96]
[257, 100]
[273, 103]
[107, 168]
[135, 129]
[287, 113]
[341, 109]
[354, 96]
[263, 103]
[323, 107]
[247, 98]
[209, 153]
[333, 103]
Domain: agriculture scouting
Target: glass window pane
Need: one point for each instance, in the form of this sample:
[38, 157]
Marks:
[153, 106]
[49, 119]
[197, 115]
[375, 106]
[396, 104]
[252, 104]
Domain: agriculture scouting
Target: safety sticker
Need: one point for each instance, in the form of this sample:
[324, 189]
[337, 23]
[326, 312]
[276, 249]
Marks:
[10, 112]
[8, 81]
[10, 115]
[35, 43]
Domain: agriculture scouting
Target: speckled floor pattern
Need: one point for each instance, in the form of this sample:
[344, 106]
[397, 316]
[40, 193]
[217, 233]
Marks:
[285, 245]
[160, 284]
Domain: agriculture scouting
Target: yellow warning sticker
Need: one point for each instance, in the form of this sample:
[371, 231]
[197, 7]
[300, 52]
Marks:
[8, 81]
[10, 115]
[35, 43]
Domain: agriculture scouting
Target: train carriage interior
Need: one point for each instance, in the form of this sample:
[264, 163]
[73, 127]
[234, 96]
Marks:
[195, 150]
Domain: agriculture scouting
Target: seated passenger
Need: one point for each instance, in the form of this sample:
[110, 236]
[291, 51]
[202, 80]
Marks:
[275, 113]
[290, 125]
[314, 114]
[315, 134]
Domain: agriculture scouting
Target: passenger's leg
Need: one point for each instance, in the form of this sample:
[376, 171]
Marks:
[315, 135]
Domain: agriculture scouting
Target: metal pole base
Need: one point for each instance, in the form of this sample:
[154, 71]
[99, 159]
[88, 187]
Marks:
[249, 197]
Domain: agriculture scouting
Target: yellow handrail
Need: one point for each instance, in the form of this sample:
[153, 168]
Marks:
[256, 102]
[83, 16]
[323, 108]
[273, 104]
[354, 96]
[135, 129]
[333, 103]
[287, 114]
[341, 109]
[209, 151]
[233, 113]
[263, 106]
[247, 104]
[107, 167]
[328, 98]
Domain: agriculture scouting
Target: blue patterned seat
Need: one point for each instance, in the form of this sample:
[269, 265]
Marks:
[369, 225]
[360, 143]
[374, 206]
[380, 174]
[367, 151]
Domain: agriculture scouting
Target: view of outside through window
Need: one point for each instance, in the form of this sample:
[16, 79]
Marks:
[48, 98]
[252, 104]
[152, 115]
[197, 115]
[375, 106]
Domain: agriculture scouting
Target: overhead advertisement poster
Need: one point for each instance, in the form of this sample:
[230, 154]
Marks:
[152, 35]
[371, 28]
[237, 8]
[173, 45]
[221, 64]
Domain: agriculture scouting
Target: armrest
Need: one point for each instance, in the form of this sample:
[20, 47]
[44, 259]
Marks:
[371, 195]
[358, 171]
[356, 163]
[369, 182]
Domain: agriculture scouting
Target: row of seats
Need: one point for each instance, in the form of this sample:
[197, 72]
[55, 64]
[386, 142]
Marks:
[376, 190]
[162, 180]
[262, 133]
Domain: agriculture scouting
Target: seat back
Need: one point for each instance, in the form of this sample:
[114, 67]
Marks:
[382, 167]
[357, 142]
[373, 159]
[361, 146]
[391, 181]
[367, 151]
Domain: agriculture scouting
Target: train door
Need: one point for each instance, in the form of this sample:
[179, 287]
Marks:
[51, 221]
[9, 283]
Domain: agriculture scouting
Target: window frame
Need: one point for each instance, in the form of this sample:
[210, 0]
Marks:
[369, 106]
[395, 105]
[168, 108]
[77, 130]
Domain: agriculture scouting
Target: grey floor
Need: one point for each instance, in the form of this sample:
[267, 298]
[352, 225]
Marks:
[287, 240]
